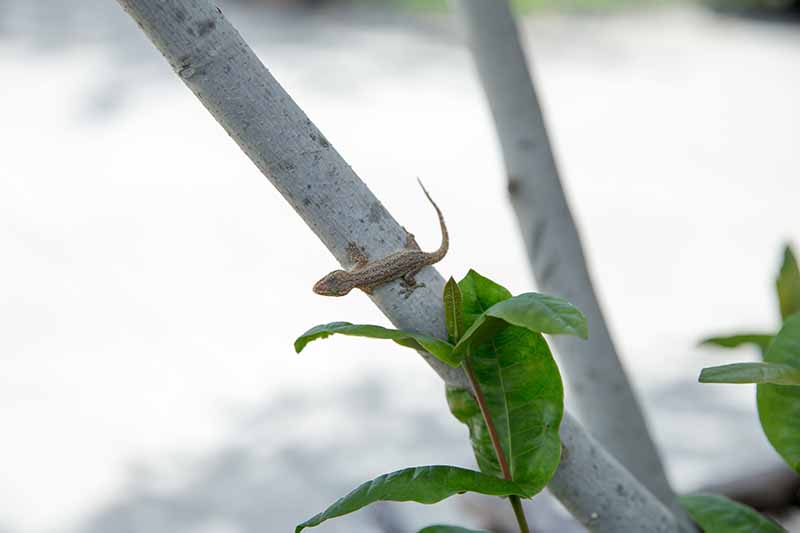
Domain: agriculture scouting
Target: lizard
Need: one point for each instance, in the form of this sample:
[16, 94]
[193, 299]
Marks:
[367, 275]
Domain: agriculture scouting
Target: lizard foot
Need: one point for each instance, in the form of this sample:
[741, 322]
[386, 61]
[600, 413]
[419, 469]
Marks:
[357, 256]
[409, 285]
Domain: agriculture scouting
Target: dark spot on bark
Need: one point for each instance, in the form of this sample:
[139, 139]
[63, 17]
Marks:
[513, 185]
[306, 201]
[180, 14]
[308, 186]
[204, 27]
[376, 213]
[190, 31]
[620, 490]
[320, 139]
[361, 220]
[219, 10]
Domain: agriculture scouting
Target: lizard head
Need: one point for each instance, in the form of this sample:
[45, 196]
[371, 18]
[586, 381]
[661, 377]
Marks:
[337, 283]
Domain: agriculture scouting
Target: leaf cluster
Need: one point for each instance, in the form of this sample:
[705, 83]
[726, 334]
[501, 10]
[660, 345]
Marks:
[777, 379]
[497, 338]
[778, 375]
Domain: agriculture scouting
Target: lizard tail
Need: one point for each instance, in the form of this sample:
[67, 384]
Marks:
[440, 253]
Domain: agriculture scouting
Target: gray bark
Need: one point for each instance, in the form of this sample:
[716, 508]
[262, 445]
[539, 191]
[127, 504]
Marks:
[223, 72]
[599, 388]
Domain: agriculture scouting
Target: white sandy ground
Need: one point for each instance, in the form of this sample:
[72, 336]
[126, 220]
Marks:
[152, 281]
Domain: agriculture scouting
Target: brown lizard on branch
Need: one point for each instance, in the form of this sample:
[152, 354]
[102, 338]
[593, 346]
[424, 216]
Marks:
[400, 265]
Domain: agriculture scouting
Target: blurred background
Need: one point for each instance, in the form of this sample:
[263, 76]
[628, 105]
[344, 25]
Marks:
[153, 281]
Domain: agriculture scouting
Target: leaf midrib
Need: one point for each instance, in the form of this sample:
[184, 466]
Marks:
[508, 411]
[496, 361]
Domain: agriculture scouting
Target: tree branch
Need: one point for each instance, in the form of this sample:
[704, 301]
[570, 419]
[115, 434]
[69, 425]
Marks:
[223, 72]
[599, 387]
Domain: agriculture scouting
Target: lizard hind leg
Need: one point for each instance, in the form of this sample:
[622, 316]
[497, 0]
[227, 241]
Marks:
[411, 242]
[409, 284]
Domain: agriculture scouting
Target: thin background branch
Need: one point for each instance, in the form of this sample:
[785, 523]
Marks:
[599, 389]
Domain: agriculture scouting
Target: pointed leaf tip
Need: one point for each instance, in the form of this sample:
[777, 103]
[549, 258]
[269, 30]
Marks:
[787, 284]
[453, 312]
[761, 340]
[440, 349]
[775, 373]
[422, 484]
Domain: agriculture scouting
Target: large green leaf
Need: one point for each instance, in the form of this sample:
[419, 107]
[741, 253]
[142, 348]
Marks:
[450, 529]
[718, 514]
[761, 340]
[788, 284]
[453, 313]
[536, 312]
[774, 373]
[779, 405]
[422, 484]
[539, 313]
[440, 349]
[523, 392]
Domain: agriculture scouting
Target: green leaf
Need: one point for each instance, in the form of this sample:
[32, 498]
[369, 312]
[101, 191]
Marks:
[718, 514]
[422, 484]
[450, 529]
[523, 391]
[775, 373]
[779, 405]
[478, 294]
[440, 349]
[453, 315]
[761, 340]
[464, 407]
[539, 313]
[788, 284]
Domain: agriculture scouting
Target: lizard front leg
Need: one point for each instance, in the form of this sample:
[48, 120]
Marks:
[357, 256]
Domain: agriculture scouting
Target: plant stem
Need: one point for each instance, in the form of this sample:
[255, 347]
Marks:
[519, 512]
[516, 504]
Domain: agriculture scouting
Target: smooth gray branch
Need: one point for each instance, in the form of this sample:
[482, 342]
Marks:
[213, 60]
[599, 388]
